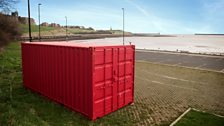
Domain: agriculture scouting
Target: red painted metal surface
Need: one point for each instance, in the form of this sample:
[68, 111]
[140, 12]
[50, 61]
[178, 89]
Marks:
[94, 80]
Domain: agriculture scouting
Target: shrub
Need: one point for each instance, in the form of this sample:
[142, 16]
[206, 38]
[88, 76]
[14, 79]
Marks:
[9, 29]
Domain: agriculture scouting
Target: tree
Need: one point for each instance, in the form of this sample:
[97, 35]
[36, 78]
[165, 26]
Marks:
[9, 25]
[7, 5]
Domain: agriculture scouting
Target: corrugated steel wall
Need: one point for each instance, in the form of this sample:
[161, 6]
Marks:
[60, 73]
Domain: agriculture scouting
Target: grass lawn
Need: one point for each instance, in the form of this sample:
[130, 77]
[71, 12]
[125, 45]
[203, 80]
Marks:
[79, 31]
[35, 28]
[51, 31]
[195, 118]
[57, 31]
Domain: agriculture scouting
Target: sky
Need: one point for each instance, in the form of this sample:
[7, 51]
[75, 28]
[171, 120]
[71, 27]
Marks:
[141, 16]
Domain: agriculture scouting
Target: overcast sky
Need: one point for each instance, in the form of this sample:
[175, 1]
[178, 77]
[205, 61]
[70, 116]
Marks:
[164, 16]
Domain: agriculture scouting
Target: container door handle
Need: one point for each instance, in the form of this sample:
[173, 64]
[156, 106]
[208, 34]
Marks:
[114, 76]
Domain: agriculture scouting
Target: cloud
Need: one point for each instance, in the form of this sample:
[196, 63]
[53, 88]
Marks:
[146, 13]
[167, 26]
[159, 23]
[152, 18]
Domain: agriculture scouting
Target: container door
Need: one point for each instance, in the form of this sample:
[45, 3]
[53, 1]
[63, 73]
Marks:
[113, 79]
[103, 81]
[124, 75]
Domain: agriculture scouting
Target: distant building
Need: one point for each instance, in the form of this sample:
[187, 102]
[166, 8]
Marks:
[78, 27]
[23, 20]
[71, 26]
[82, 27]
[89, 28]
[15, 14]
[45, 24]
[54, 25]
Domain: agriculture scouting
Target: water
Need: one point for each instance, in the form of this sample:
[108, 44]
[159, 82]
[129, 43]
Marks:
[189, 43]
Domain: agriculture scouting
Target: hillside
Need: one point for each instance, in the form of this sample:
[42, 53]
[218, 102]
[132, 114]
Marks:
[61, 31]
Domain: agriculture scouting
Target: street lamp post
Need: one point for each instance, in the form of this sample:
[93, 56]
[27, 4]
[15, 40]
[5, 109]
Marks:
[30, 37]
[39, 19]
[123, 25]
[66, 28]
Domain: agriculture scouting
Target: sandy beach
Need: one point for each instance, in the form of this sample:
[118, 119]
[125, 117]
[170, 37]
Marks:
[206, 44]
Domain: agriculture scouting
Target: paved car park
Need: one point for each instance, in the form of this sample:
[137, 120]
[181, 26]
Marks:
[215, 63]
[163, 93]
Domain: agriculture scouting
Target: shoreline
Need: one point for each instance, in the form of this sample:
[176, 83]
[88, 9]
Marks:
[153, 47]
[87, 36]
[72, 37]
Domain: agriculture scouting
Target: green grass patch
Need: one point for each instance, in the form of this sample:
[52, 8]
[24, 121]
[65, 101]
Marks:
[195, 118]
[35, 28]
[79, 31]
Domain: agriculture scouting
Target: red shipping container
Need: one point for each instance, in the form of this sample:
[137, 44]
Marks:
[94, 80]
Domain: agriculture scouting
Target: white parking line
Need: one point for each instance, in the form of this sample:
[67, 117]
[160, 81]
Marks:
[157, 82]
[177, 64]
[188, 110]
[180, 117]
[222, 70]
[207, 112]
[200, 66]
[161, 83]
[218, 59]
[156, 61]
[185, 54]
[181, 66]
[173, 78]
